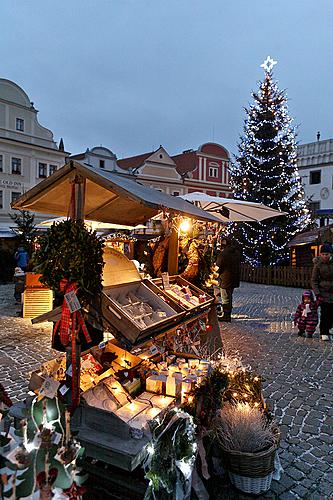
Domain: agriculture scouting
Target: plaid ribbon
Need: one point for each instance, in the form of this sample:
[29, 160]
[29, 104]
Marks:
[69, 327]
[64, 324]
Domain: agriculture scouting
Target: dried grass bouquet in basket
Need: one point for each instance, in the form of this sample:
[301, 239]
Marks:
[241, 427]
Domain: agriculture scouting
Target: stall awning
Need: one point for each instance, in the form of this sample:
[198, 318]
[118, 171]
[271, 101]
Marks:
[109, 197]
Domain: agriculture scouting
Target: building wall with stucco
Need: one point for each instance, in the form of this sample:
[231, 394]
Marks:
[28, 152]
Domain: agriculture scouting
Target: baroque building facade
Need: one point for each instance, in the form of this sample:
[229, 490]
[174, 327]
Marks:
[28, 152]
[204, 169]
[315, 164]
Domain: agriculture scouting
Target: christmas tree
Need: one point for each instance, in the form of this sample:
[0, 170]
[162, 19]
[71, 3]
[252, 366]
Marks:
[266, 172]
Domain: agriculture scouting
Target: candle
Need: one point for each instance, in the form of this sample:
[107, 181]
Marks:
[173, 387]
[24, 432]
[193, 363]
[186, 388]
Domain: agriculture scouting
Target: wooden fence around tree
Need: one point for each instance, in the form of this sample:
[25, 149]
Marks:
[284, 276]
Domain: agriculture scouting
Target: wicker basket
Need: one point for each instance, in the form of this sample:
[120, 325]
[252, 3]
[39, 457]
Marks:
[252, 472]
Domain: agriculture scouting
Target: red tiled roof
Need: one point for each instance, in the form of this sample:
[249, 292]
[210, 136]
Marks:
[133, 161]
[186, 162]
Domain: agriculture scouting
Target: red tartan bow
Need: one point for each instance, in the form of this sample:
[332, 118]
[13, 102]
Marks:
[64, 324]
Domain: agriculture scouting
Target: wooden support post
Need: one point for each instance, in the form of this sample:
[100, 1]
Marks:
[77, 213]
[173, 252]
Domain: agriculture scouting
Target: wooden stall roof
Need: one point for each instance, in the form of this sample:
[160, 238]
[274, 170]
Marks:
[109, 197]
[314, 236]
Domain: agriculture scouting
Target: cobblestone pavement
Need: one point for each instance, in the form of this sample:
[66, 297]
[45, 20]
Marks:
[298, 385]
[298, 373]
[23, 346]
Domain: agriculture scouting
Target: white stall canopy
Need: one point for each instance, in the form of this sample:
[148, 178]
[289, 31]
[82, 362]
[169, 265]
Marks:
[108, 197]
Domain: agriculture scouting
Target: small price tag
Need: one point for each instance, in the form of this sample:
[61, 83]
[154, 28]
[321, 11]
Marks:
[72, 301]
[101, 345]
[63, 390]
[69, 371]
[153, 349]
[56, 438]
[165, 281]
[49, 388]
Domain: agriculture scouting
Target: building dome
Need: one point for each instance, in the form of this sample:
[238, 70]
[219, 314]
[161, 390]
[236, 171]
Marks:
[10, 91]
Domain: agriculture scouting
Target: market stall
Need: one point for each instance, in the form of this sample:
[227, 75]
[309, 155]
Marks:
[134, 311]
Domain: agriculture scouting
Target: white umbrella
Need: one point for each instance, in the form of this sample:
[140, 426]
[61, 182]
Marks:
[93, 224]
[229, 209]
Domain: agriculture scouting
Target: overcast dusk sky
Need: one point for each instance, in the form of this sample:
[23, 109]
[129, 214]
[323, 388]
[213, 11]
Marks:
[134, 74]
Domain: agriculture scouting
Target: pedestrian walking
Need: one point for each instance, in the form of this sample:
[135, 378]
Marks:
[228, 261]
[22, 258]
[306, 315]
[322, 285]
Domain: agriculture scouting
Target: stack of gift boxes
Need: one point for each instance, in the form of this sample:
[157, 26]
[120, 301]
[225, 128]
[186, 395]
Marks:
[134, 388]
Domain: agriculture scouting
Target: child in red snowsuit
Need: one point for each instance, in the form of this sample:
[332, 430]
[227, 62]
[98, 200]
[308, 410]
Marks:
[306, 315]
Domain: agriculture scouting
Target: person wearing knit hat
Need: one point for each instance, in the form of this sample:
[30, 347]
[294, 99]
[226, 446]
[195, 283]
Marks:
[326, 248]
[306, 315]
[322, 285]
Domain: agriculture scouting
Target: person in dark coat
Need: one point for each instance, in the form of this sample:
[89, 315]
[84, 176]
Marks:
[228, 260]
[322, 285]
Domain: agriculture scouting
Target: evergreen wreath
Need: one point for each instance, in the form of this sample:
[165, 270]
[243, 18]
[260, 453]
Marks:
[69, 250]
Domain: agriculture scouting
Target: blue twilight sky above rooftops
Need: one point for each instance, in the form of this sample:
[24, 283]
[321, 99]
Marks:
[134, 74]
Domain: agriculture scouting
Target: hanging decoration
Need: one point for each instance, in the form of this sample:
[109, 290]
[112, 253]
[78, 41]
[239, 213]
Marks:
[39, 461]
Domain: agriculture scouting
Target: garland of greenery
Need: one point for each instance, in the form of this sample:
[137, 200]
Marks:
[170, 456]
[205, 400]
[69, 250]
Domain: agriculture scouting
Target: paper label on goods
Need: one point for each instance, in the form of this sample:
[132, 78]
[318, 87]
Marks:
[63, 390]
[165, 281]
[69, 371]
[72, 301]
[56, 437]
[49, 388]
[153, 349]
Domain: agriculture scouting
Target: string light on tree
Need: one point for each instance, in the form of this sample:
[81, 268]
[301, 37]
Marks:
[266, 172]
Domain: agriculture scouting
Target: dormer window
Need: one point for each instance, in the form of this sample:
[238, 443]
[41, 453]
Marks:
[101, 163]
[213, 169]
[20, 124]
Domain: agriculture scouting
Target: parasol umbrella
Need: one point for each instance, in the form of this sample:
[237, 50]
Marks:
[229, 209]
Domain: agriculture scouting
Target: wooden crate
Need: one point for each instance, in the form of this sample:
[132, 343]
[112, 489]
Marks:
[116, 315]
[37, 301]
[189, 310]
